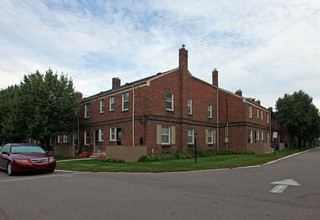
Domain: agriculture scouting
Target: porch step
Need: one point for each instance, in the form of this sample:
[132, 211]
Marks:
[97, 155]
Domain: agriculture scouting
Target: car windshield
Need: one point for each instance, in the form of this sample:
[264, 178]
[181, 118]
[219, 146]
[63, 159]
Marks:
[26, 149]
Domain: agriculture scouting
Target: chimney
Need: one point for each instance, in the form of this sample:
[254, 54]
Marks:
[115, 83]
[239, 92]
[215, 77]
[79, 95]
[183, 58]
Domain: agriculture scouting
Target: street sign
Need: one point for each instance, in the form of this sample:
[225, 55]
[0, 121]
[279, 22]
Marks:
[275, 135]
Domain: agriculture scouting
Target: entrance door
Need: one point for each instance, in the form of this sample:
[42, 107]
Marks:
[118, 136]
[96, 140]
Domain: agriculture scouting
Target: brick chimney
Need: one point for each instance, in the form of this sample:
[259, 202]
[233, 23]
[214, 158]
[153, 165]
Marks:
[115, 83]
[239, 92]
[183, 58]
[79, 95]
[215, 77]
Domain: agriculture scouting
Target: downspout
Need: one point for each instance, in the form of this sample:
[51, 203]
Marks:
[133, 115]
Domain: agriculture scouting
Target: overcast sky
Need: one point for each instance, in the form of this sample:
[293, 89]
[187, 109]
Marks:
[265, 48]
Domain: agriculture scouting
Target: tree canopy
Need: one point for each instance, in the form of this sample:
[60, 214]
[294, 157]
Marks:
[41, 107]
[300, 116]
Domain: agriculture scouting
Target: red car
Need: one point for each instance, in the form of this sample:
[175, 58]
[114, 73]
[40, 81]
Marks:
[25, 157]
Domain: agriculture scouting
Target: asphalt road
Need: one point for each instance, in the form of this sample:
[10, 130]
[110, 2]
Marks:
[243, 193]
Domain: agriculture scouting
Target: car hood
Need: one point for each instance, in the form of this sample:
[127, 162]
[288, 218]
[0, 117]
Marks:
[30, 155]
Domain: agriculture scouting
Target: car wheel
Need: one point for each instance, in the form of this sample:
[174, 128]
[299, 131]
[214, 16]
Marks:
[9, 169]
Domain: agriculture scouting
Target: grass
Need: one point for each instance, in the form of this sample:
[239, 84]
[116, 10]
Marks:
[213, 162]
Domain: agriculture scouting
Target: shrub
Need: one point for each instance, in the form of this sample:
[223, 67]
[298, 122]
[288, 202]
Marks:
[112, 160]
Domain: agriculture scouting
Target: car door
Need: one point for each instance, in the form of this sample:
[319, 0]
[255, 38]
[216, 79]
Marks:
[4, 157]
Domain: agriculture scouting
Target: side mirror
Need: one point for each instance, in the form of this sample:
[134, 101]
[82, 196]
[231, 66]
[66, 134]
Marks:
[4, 152]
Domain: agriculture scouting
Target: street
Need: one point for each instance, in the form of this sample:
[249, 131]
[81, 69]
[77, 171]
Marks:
[286, 189]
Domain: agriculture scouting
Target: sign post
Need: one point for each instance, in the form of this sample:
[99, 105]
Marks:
[195, 148]
[275, 136]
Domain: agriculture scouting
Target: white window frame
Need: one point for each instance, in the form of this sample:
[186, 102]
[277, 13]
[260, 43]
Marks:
[258, 113]
[210, 135]
[209, 111]
[65, 138]
[250, 136]
[262, 136]
[111, 103]
[169, 100]
[102, 106]
[261, 115]
[58, 139]
[101, 135]
[113, 134]
[268, 119]
[75, 138]
[190, 106]
[190, 135]
[163, 134]
[87, 110]
[258, 135]
[86, 133]
[125, 101]
[250, 111]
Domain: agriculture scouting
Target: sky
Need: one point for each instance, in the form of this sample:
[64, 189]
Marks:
[265, 48]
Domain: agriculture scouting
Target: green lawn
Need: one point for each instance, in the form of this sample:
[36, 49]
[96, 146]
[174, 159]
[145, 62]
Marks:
[213, 162]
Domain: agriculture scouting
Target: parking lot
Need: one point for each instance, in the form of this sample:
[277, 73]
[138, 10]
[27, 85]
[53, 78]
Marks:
[242, 193]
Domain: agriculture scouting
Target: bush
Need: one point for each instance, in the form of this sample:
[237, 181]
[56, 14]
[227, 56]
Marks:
[112, 160]
[187, 155]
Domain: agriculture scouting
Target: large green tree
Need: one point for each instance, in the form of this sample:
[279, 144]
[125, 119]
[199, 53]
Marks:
[297, 113]
[47, 105]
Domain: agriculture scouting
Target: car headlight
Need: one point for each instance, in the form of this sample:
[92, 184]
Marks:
[22, 161]
[51, 159]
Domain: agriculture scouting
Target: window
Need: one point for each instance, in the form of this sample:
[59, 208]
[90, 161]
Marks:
[268, 138]
[101, 106]
[258, 113]
[257, 135]
[111, 102]
[65, 138]
[125, 101]
[169, 101]
[190, 136]
[250, 111]
[165, 135]
[250, 136]
[210, 137]
[112, 134]
[261, 115]
[190, 106]
[209, 111]
[75, 138]
[86, 137]
[101, 134]
[268, 118]
[87, 111]
[58, 139]
[262, 136]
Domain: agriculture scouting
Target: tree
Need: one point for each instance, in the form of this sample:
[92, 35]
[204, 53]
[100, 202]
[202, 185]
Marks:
[297, 113]
[46, 103]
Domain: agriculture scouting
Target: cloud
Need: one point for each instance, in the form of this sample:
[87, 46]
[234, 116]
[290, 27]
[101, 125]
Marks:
[265, 48]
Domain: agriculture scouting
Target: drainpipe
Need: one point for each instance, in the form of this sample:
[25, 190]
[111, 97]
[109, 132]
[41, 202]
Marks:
[133, 116]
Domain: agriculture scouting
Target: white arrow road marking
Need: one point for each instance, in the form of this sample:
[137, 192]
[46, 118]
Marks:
[283, 184]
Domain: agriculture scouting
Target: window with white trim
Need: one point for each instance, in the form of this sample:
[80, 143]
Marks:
[190, 136]
[250, 111]
[169, 101]
[250, 136]
[112, 134]
[257, 135]
[65, 138]
[261, 115]
[101, 135]
[210, 137]
[101, 106]
[165, 135]
[190, 106]
[209, 111]
[258, 113]
[268, 137]
[86, 137]
[58, 139]
[87, 111]
[111, 103]
[268, 118]
[125, 101]
[75, 138]
[262, 136]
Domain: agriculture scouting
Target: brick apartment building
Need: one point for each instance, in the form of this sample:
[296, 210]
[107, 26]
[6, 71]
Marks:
[164, 112]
